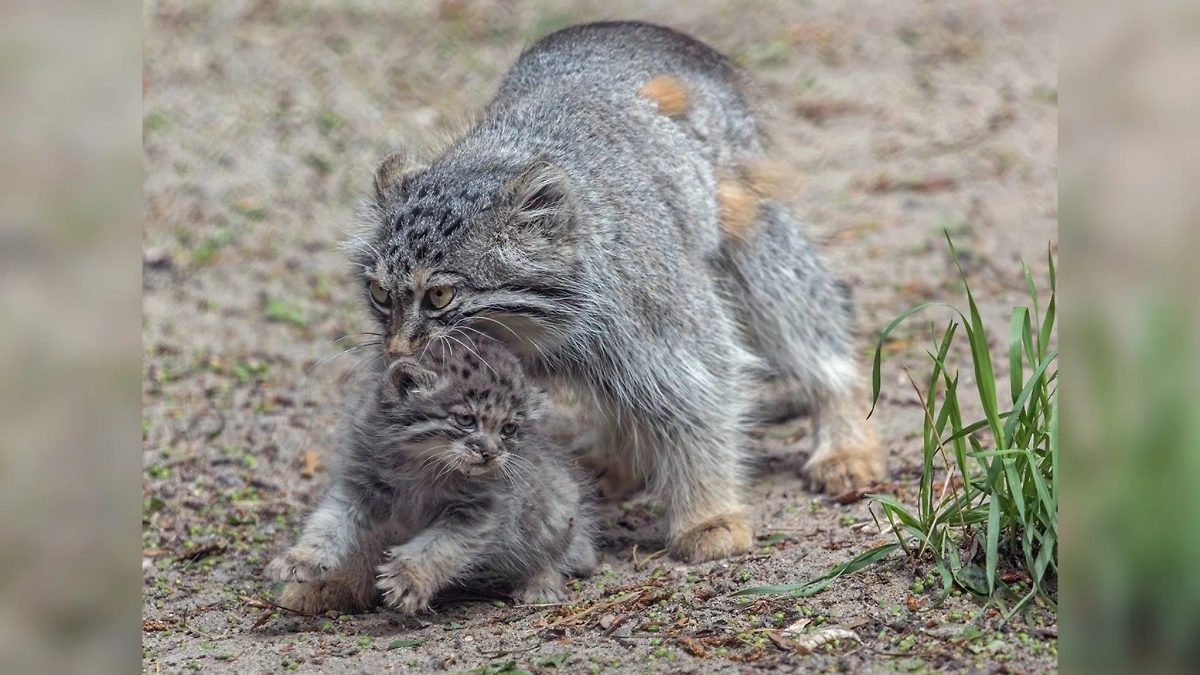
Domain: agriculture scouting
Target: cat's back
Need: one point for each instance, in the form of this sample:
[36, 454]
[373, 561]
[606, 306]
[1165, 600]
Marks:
[614, 53]
[610, 65]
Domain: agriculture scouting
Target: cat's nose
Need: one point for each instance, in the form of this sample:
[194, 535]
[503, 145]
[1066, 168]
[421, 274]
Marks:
[398, 345]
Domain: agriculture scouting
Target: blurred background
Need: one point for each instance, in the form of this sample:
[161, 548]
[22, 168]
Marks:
[1130, 219]
[285, 135]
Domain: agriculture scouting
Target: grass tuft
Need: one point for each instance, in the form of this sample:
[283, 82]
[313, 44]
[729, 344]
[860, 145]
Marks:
[997, 502]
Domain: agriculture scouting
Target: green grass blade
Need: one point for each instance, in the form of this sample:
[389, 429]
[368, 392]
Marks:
[985, 379]
[1017, 330]
[1011, 423]
[900, 512]
[993, 543]
[1014, 490]
[853, 565]
[876, 370]
[1048, 323]
[1033, 294]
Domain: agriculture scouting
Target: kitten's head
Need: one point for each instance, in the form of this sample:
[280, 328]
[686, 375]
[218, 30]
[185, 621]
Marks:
[467, 409]
[468, 246]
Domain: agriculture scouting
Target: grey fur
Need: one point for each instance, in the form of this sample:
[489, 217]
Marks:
[582, 226]
[450, 502]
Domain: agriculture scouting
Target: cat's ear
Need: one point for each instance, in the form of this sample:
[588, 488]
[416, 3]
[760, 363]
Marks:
[407, 377]
[391, 174]
[542, 202]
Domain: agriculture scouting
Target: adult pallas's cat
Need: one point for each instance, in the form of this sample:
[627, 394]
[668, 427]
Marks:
[608, 216]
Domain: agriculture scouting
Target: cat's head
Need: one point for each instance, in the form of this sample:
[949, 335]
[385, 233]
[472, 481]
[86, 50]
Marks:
[466, 410]
[468, 246]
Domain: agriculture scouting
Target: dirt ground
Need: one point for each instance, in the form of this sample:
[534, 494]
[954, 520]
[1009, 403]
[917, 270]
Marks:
[263, 122]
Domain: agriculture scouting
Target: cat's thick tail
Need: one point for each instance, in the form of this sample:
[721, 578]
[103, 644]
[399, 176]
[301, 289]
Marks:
[798, 319]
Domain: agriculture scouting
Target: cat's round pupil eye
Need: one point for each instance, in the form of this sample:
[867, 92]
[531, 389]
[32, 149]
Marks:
[465, 421]
[440, 296]
[508, 429]
[379, 295]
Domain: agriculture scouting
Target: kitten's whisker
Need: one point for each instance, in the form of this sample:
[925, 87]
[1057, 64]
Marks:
[435, 455]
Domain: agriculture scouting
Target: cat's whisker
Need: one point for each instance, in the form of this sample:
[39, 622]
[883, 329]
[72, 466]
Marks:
[330, 359]
[517, 335]
[350, 335]
[468, 348]
[360, 240]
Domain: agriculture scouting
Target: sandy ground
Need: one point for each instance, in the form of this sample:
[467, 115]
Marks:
[263, 122]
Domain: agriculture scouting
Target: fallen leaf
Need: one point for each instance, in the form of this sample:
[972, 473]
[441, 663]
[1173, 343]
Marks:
[555, 661]
[819, 111]
[201, 552]
[312, 463]
[692, 646]
[851, 496]
[774, 539]
[884, 183]
[782, 642]
[812, 641]
[396, 644]
[796, 628]
[931, 185]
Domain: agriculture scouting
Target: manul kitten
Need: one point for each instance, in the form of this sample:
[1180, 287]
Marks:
[445, 480]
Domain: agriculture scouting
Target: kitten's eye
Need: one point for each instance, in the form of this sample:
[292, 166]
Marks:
[509, 429]
[440, 296]
[465, 421]
[381, 297]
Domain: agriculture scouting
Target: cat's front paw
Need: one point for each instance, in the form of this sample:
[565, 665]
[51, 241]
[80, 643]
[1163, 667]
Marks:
[544, 589]
[301, 563]
[846, 468]
[405, 587]
[712, 539]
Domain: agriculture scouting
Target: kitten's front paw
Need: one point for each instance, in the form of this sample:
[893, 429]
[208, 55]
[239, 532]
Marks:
[546, 588]
[301, 563]
[405, 587]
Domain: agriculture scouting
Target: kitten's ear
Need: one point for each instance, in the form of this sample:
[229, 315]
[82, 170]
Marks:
[391, 174]
[406, 377]
[542, 199]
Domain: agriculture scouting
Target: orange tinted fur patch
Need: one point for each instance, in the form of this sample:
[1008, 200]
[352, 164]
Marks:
[669, 93]
[766, 179]
[739, 206]
[740, 195]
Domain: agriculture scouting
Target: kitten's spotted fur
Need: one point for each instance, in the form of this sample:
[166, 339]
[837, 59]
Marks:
[446, 479]
[602, 216]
